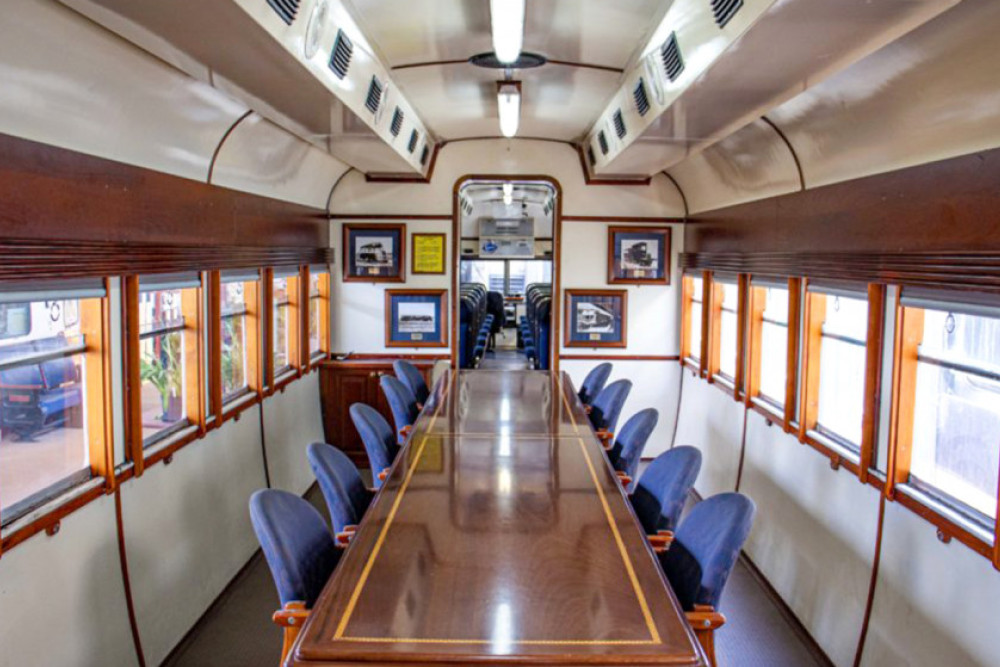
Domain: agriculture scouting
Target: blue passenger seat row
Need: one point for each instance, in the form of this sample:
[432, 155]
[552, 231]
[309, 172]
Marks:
[535, 326]
[473, 315]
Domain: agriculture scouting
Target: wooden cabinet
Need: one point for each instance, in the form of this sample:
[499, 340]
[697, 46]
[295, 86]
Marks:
[344, 383]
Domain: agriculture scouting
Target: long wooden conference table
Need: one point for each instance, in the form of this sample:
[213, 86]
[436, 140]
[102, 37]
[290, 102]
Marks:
[500, 535]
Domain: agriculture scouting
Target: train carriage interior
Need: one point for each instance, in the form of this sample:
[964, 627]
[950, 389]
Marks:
[536, 332]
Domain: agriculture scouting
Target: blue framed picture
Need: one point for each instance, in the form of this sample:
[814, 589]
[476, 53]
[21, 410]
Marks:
[416, 318]
[374, 253]
[596, 318]
[639, 255]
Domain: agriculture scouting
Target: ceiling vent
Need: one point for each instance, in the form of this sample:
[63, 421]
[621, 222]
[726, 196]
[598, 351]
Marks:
[374, 97]
[414, 137]
[397, 122]
[426, 153]
[641, 98]
[619, 124]
[591, 158]
[725, 10]
[673, 62]
[603, 141]
[340, 57]
[286, 9]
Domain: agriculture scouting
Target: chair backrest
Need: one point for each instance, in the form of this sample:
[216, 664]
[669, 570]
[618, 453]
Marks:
[412, 378]
[705, 548]
[594, 382]
[663, 489]
[631, 440]
[378, 437]
[296, 542]
[345, 493]
[607, 407]
[402, 402]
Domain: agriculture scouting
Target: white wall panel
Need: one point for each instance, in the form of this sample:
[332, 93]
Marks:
[359, 308]
[935, 603]
[264, 159]
[68, 82]
[188, 532]
[516, 157]
[814, 534]
[292, 420]
[61, 598]
[713, 422]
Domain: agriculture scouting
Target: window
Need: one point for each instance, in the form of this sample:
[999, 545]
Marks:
[835, 366]
[491, 273]
[239, 355]
[693, 296]
[953, 419]
[284, 315]
[725, 306]
[773, 324]
[161, 362]
[319, 311]
[51, 357]
[509, 277]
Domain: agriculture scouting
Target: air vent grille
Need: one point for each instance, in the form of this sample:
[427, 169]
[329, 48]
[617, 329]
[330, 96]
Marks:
[641, 98]
[591, 158]
[673, 62]
[603, 141]
[619, 124]
[725, 10]
[286, 9]
[340, 57]
[397, 122]
[374, 97]
[424, 154]
[414, 137]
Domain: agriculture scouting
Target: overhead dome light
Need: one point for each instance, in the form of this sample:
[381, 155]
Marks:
[509, 106]
[507, 19]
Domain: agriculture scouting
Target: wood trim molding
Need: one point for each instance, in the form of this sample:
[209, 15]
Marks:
[792, 371]
[638, 219]
[95, 325]
[132, 385]
[874, 345]
[388, 216]
[620, 357]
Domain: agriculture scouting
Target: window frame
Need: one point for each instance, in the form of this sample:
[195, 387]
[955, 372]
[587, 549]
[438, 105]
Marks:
[230, 407]
[786, 413]
[732, 385]
[947, 514]
[277, 378]
[50, 505]
[687, 299]
[311, 358]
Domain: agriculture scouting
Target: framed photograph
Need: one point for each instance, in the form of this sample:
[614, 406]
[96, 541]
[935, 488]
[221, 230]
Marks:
[428, 254]
[596, 318]
[639, 255]
[374, 253]
[416, 318]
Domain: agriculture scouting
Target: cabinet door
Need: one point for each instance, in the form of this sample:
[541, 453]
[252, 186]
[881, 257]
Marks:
[342, 388]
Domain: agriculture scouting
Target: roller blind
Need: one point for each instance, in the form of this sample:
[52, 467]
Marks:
[53, 290]
[168, 281]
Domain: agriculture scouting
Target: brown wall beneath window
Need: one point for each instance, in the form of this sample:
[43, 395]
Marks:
[936, 223]
[66, 213]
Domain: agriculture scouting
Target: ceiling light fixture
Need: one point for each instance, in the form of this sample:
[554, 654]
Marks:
[507, 20]
[508, 194]
[509, 106]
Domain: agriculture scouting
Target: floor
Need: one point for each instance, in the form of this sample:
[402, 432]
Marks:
[237, 631]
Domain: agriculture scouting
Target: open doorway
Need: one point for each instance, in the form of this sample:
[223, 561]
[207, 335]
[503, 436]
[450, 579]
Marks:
[506, 310]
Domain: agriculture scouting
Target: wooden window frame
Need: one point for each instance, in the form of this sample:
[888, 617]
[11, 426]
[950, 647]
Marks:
[757, 305]
[312, 360]
[254, 371]
[742, 311]
[706, 324]
[732, 385]
[277, 379]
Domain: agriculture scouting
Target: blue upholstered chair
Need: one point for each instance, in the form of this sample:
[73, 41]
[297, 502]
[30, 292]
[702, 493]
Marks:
[413, 379]
[594, 383]
[606, 409]
[300, 552]
[663, 489]
[701, 557]
[378, 437]
[629, 443]
[345, 492]
[402, 403]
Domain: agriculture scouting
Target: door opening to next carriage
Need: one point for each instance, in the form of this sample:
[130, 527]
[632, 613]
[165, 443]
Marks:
[506, 268]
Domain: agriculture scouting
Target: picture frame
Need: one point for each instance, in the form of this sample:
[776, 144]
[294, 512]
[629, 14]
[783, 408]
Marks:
[639, 255]
[429, 254]
[374, 253]
[416, 318]
[595, 318]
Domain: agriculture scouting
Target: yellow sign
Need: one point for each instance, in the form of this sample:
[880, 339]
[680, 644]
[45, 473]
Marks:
[428, 253]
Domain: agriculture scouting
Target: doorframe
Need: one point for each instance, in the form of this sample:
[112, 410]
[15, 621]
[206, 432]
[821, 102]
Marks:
[456, 254]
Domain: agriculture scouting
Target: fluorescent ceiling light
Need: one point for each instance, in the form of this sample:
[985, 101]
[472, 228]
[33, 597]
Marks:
[507, 19]
[508, 194]
[509, 107]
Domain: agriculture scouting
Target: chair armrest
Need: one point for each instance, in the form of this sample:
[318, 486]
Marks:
[420, 407]
[607, 438]
[588, 408]
[382, 475]
[292, 615]
[405, 431]
[704, 617]
[623, 478]
[661, 541]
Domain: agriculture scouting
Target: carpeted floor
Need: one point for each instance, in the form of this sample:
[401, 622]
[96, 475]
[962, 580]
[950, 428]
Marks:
[237, 631]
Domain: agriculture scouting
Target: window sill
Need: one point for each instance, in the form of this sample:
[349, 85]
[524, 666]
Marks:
[161, 449]
[949, 521]
[841, 450]
[237, 404]
[48, 515]
[769, 411]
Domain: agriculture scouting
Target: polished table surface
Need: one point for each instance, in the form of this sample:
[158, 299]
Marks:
[500, 535]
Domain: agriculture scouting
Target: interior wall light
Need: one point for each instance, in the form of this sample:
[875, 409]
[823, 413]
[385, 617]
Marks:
[509, 106]
[507, 21]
